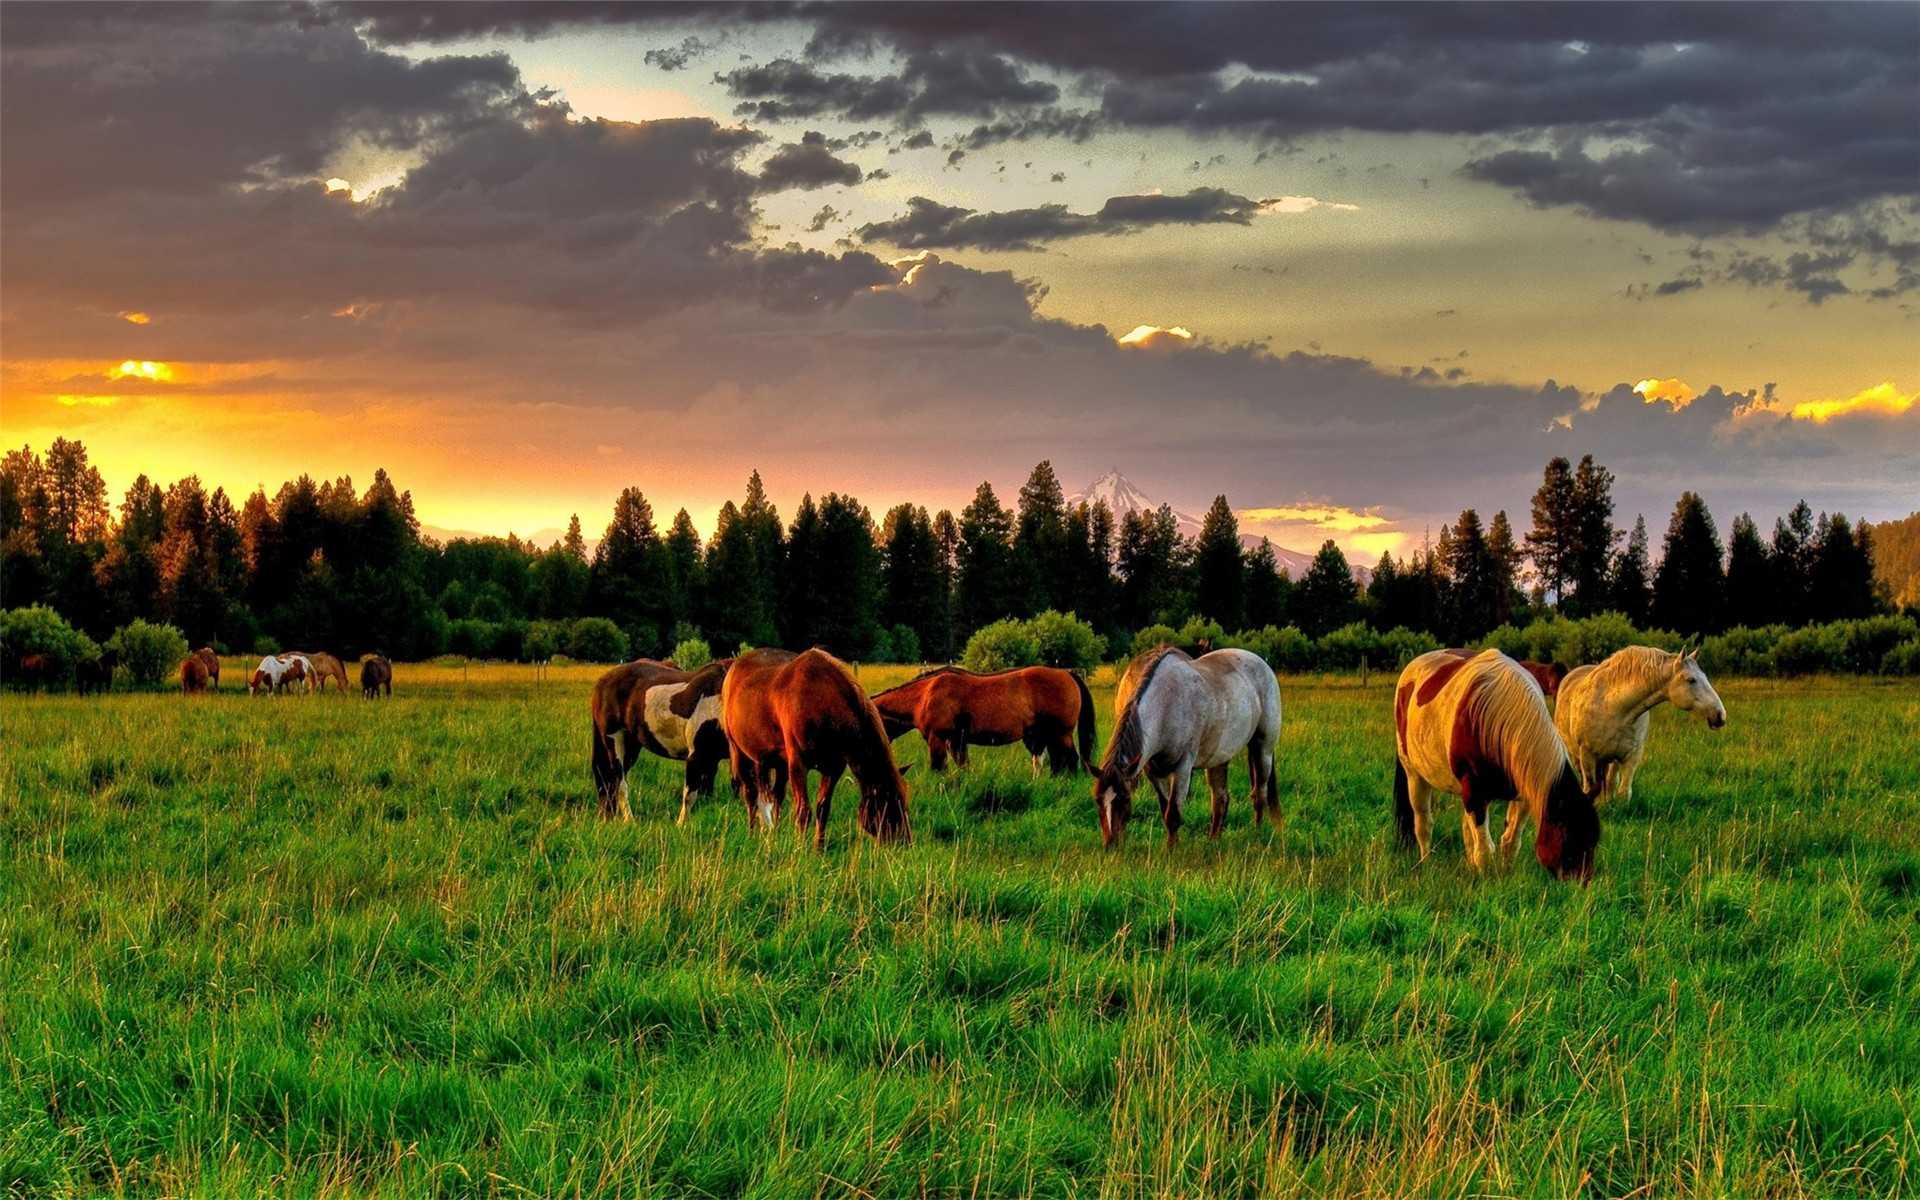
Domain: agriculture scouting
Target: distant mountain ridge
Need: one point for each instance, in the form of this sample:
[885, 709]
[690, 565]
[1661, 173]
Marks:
[1123, 497]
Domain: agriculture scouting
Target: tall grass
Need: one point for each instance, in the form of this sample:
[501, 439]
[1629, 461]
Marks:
[327, 947]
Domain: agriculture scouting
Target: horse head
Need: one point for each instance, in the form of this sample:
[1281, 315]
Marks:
[1113, 800]
[1689, 691]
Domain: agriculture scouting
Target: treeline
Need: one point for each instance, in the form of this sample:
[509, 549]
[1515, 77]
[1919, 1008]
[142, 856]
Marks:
[326, 564]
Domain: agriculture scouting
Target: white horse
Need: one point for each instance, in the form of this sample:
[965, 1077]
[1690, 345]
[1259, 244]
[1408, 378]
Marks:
[1173, 715]
[1603, 711]
[1478, 727]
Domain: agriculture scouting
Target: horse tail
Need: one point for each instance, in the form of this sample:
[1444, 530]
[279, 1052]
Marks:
[1089, 732]
[1403, 805]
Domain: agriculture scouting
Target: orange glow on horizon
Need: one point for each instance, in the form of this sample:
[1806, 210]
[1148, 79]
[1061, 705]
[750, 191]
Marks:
[134, 368]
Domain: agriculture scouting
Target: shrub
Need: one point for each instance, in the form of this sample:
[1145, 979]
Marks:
[906, 644]
[690, 654]
[1903, 659]
[1064, 640]
[1400, 646]
[1284, 649]
[1865, 644]
[1001, 645]
[1509, 640]
[1199, 630]
[149, 652]
[1154, 635]
[1343, 649]
[40, 630]
[1805, 651]
[1742, 651]
[596, 639]
[545, 639]
[1591, 639]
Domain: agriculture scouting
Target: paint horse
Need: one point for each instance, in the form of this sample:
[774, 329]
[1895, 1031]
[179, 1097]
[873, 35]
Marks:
[1479, 728]
[1039, 707]
[1604, 710]
[275, 674]
[320, 667]
[655, 706]
[376, 676]
[787, 714]
[1173, 715]
[211, 661]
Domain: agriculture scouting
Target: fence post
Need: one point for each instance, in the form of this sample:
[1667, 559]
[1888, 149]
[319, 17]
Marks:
[1363, 670]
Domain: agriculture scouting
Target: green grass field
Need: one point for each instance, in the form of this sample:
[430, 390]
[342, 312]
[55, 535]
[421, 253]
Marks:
[326, 947]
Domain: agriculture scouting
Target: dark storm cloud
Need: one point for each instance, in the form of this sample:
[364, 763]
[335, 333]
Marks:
[928, 224]
[808, 163]
[931, 82]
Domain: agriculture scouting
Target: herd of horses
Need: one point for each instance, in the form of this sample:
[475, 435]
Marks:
[1473, 725]
[294, 670]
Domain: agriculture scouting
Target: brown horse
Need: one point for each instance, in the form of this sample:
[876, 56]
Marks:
[653, 705]
[376, 674]
[324, 667]
[1040, 707]
[96, 675]
[787, 714]
[212, 662]
[193, 674]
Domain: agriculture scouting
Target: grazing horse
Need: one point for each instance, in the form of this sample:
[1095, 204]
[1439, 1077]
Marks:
[321, 667]
[787, 714]
[1604, 711]
[1040, 707]
[1174, 714]
[36, 670]
[96, 675]
[266, 677]
[376, 674]
[1479, 728]
[680, 723]
[193, 674]
[206, 655]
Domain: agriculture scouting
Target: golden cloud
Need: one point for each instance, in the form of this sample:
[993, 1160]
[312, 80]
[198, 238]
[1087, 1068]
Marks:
[1675, 392]
[1881, 400]
[135, 317]
[1334, 517]
[133, 368]
[1155, 337]
[1292, 205]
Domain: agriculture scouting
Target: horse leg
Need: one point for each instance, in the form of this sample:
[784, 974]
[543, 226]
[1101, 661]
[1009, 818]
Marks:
[1515, 821]
[1420, 798]
[1266, 804]
[1473, 826]
[1174, 799]
[822, 806]
[1217, 784]
[960, 748]
[797, 780]
[1623, 773]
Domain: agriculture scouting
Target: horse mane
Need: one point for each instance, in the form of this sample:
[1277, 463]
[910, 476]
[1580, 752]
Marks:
[871, 724]
[1128, 742]
[1647, 666]
[1512, 725]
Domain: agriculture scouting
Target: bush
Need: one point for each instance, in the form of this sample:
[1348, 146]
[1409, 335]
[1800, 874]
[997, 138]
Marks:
[1903, 659]
[475, 638]
[149, 652]
[1064, 640]
[1154, 635]
[1805, 651]
[1198, 631]
[40, 630]
[692, 653]
[1741, 651]
[1865, 644]
[1343, 649]
[1591, 639]
[906, 644]
[999, 646]
[545, 639]
[1400, 646]
[1283, 649]
[596, 639]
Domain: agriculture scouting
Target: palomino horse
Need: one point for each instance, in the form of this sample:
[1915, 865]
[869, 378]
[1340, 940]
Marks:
[376, 674]
[1604, 710]
[212, 662]
[321, 667]
[1040, 707]
[1173, 715]
[1479, 728]
[787, 714]
[193, 674]
[655, 706]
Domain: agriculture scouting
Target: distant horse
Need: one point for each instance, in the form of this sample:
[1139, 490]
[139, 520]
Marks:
[787, 714]
[96, 675]
[206, 655]
[321, 667]
[376, 675]
[35, 670]
[1604, 711]
[275, 674]
[1040, 707]
[627, 718]
[193, 674]
[1173, 715]
[1479, 728]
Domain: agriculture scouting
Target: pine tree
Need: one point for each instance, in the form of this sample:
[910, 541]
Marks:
[1040, 542]
[1689, 590]
[946, 539]
[1267, 587]
[1219, 574]
[1150, 559]
[574, 544]
[1504, 555]
[1750, 600]
[684, 563]
[1631, 590]
[1593, 536]
[986, 587]
[1792, 561]
[801, 602]
[1471, 567]
[1097, 600]
[847, 576]
[1326, 597]
[629, 583]
[1551, 541]
[1840, 583]
[910, 583]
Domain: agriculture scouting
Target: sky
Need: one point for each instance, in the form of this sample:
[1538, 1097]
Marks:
[1355, 266]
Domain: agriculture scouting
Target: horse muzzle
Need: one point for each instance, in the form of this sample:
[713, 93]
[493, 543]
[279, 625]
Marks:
[1717, 720]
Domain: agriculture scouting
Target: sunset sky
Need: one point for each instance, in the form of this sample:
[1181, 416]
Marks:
[1357, 267]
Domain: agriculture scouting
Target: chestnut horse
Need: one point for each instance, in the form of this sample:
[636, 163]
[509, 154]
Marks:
[787, 714]
[211, 661]
[1040, 707]
[376, 674]
[1479, 728]
[193, 674]
[627, 717]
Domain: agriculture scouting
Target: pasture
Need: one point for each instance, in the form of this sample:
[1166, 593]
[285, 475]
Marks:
[326, 947]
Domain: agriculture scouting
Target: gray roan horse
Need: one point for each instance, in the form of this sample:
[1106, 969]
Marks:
[1174, 714]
